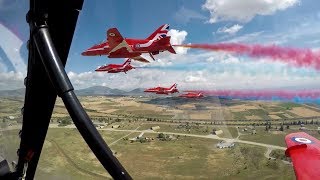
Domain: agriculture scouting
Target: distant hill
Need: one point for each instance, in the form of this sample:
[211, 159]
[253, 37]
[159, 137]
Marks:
[99, 90]
[91, 91]
[135, 92]
[13, 93]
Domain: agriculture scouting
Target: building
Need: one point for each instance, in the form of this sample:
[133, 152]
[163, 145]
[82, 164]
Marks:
[115, 126]
[155, 127]
[218, 132]
[225, 144]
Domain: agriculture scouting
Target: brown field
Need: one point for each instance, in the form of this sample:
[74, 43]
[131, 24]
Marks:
[200, 115]
[274, 116]
[287, 115]
[304, 112]
[243, 107]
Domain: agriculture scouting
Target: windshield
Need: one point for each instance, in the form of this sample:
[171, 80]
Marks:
[177, 89]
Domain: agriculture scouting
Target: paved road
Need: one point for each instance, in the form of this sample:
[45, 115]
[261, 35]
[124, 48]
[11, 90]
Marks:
[181, 134]
[114, 142]
[202, 136]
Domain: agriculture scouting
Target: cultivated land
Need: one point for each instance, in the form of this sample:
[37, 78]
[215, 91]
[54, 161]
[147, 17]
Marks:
[257, 128]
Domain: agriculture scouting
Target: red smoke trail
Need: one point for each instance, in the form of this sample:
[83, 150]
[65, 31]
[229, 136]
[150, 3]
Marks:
[296, 95]
[292, 56]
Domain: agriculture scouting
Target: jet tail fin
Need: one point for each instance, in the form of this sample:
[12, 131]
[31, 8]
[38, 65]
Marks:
[127, 62]
[166, 41]
[160, 32]
[173, 86]
[170, 49]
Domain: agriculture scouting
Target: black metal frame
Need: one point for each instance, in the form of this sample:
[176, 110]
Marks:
[52, 25]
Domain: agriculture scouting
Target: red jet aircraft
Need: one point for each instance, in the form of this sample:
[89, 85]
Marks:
[192, 95]
[304, 151]
[116, 68]
[118, 47]
[162, 90]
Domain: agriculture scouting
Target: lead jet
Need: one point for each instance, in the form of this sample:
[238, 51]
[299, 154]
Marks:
[163, 90]
[116, 68]
[118, 47]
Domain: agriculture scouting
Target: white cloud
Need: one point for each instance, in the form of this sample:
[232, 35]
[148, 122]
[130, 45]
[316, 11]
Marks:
[296, 34]
[230, 30]
[185, 15]
[248, 38]
[178, 37]
[11, 80]
[3, 67]
[205, 71]
[195, 77]
[244, 11]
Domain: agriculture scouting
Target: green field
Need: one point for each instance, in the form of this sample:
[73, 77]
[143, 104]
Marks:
[262, 136]
[194, 158]
[66, 155]
[228, 132]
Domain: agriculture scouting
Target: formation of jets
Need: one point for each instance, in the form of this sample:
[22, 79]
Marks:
[303, 149]
[118, 47]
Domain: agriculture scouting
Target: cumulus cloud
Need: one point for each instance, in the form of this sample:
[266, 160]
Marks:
[195, 77]
[297, 34]
[178, 37]
[230, 30]
[208, 70]
[185, 15]
[244, 11]
[11, 80]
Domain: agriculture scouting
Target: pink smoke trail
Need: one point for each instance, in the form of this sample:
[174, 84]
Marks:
[297, 95]
[293, 56]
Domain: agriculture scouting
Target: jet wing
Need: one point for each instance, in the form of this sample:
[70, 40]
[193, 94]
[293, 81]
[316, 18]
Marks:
[116, 42]
[141, 59]
[304, 151]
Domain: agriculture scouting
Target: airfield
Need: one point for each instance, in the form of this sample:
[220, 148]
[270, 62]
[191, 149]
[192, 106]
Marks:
[191, 130]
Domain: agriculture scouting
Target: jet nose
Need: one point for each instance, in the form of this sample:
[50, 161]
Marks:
[99, 68]
[88, 52]
[85, 53]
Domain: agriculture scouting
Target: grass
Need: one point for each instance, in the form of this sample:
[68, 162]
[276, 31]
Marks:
[72, 144]
[279, 154]
[263, 114]
[259, 112]
[185, 158]
[262, 136]
[240, 115]
[195, 158]
[192, 129]
[228, 132]
[289, 105]
[10, 107]
[281, 115]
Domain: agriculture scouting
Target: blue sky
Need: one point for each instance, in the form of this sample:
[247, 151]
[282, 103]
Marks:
[294, 23]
